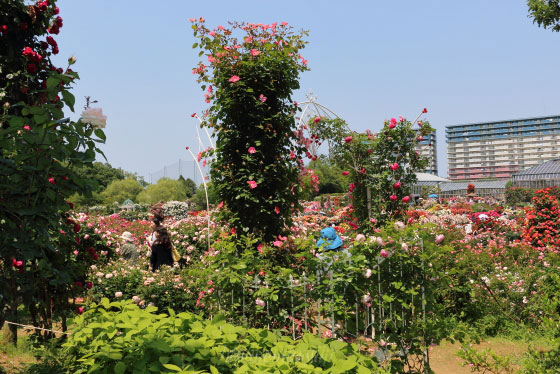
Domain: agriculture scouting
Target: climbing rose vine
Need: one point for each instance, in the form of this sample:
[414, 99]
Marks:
[383, 164]
[43, 256]
[248, 75]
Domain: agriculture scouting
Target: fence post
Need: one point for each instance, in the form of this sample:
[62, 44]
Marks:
[318, 306]
[426, 357]
[291, 287]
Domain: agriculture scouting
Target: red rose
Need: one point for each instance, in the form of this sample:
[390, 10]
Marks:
[31, 68]
[28, 52]
[77, 227]
[4, 29]
[89, 285]
[80, 310]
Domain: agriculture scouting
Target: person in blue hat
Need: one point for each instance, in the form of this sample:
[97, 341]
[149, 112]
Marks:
[329, 240]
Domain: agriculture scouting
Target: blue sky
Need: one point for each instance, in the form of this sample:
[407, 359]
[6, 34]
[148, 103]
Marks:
[466, 61]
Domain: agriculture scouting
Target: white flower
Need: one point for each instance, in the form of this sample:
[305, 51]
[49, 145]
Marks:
[95, 117]
[118, 294]
[360, 238]
[399, 225]
[109, 275]
[368, 273]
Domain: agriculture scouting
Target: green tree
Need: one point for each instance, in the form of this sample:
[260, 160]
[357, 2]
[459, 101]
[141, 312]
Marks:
[382, 168]
[165, 189]
[330, 176]
[121, 190]
[250, 81]
[545, 13]
[199, 198]
[102, 173]
[189, 185]
[39, 151]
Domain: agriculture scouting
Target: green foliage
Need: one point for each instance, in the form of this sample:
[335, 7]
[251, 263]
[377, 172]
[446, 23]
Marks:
[486, 361]
[121, 190]
[164, 190]
[39, 152]
[190, 186]
[250, 89]
[545, 13]
[517, 195]
[199, 198]
[330, 178]
[121, 338]
[382, 168]
[102, 173]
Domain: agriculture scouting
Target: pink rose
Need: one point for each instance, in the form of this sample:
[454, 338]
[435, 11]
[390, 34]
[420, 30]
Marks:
[252, 150]
[252, 184]
[394, 166]
[259, 302]
[233, 79]
[397, 185]
[405, 199]
[345, 173]
[439, 238]
[348, 139]
[384, 253]
[393, 197]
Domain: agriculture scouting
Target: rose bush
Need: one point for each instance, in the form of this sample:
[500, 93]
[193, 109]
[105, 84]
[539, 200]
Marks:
[248, 81]
[39, 151]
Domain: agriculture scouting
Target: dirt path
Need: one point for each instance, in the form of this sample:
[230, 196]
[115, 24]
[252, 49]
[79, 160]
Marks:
[443, 359]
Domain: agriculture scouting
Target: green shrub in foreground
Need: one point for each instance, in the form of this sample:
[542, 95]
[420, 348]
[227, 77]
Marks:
[120, 338]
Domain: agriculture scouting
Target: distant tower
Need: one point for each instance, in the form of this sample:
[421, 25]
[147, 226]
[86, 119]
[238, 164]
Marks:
[428, 148]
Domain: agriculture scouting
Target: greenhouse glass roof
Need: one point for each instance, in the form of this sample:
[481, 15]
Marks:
[546, 170]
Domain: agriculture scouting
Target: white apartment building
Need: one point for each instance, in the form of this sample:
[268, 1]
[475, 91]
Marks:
[427, 148]
[499, 149]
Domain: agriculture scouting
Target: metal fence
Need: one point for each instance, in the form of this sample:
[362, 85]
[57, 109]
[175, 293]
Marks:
[329, 306]
[187, 169]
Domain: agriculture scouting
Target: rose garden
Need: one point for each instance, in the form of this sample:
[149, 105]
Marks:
[252, 292]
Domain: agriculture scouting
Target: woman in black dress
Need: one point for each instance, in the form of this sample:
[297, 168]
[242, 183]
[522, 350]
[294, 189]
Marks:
[161, 249]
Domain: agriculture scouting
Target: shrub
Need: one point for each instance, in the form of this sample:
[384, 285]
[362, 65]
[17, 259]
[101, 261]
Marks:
[250, 82]
[542, 225]
[176, 209]
[120, 338]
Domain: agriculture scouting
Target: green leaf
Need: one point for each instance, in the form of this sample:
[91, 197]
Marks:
[100, 134]
[195, 45]
[69, 99]
[120, 367]
[52, 82]
[172, 367]
[213, 370]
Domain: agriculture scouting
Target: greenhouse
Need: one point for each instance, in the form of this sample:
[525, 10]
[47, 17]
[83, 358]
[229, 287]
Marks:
[544, 175]
[427, 184]
[485, 188]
